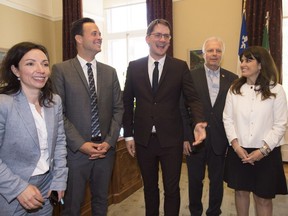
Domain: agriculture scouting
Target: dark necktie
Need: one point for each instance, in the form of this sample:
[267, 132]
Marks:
[95, 127]
[155, 78]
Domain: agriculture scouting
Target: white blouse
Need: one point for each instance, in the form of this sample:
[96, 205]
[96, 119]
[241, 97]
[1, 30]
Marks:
[43, 163]
[254, 121]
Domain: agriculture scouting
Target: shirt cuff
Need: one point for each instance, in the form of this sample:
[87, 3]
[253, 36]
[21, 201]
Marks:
[129, 138]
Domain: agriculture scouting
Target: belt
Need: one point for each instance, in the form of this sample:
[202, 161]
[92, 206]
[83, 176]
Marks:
[96, 139]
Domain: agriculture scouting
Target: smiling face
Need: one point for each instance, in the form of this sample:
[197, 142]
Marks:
[250, 69]
[158, 45]
[89, 43]
[33, 70]
[213, 54]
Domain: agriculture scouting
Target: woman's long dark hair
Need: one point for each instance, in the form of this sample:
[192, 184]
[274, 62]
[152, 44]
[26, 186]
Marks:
[9, 83]
[268, 76]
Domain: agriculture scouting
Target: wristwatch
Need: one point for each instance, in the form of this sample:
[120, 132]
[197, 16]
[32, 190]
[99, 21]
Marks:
[266, 148]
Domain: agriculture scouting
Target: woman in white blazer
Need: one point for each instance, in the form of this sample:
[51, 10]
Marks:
[32, 139]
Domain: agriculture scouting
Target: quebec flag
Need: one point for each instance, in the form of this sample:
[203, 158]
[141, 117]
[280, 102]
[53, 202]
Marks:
[243, 43]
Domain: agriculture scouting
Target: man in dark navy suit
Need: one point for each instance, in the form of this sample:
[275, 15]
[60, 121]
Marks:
[153, 129]
[212, 83]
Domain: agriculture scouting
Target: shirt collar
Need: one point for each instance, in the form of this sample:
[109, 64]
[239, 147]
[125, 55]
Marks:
[83, 62]
[211, 72]
[151, 60]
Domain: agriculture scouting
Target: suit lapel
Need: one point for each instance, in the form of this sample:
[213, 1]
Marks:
[79, 70]
[143, 72]
[166, 66]
[48, 112]
[204, 84]
[223, 83]
[24, 111]
[99, 75]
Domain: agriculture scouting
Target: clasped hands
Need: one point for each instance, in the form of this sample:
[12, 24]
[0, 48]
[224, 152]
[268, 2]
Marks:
[254, 156]
[95, 150]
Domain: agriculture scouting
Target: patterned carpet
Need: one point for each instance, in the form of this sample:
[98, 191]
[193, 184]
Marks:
[134, 205]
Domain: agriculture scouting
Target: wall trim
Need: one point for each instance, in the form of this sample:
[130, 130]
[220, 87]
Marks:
[32, 11]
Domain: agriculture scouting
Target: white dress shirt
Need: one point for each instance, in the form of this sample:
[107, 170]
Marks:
[85, 69]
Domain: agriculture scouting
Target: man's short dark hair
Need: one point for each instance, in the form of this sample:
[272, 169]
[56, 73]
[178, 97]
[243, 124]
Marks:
[155, 22]
[77, 26]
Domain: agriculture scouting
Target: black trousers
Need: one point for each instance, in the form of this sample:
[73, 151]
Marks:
[196, 164]
[170, 159]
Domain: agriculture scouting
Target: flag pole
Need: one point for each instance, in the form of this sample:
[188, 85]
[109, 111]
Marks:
[265, 38]
[243, 42]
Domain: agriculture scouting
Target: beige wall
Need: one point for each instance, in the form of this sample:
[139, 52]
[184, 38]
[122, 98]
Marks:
[196, 20]
[17, 26]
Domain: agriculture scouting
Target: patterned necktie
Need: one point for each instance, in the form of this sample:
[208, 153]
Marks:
[155, 78]
[95, 127]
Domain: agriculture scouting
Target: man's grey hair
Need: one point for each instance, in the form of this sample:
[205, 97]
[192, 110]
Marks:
[214, 39]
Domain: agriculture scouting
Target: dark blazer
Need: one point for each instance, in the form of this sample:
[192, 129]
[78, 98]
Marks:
[215, 132]
[70, 83]
[162, 110]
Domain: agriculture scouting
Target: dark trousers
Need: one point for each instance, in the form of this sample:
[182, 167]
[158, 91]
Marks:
[170, 159]
[95, 172]
[196, 164]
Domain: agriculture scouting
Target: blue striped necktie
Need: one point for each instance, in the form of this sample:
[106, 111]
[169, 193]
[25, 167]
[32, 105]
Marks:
[95, 126]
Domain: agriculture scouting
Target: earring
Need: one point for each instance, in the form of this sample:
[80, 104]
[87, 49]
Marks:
[18, 78]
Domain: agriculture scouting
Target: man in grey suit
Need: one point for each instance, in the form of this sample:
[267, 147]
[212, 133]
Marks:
[90, 155]
[211, 83]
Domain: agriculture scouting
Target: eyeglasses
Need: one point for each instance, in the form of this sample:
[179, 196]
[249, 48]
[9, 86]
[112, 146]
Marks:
[159, 36]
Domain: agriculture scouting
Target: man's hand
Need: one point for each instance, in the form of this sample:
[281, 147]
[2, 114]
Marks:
[31, 198]
[186, 148]
[199, 133]
[102, 149]
[130, 145]
[93, 150]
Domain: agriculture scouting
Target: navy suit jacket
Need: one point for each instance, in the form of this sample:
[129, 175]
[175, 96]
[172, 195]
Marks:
[215, 132]
[161, 110]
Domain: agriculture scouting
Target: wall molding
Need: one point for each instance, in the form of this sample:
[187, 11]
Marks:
[45, 10]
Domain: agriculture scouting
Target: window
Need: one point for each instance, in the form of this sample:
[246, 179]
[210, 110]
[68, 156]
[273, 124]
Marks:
[125, 36]
[285, 46]
[123, 26]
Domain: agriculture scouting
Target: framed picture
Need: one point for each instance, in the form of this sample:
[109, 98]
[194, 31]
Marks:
[2, 54]
[196, 59]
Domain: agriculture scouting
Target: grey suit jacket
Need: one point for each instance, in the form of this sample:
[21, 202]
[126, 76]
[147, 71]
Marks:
[70, 83]
[20, 150]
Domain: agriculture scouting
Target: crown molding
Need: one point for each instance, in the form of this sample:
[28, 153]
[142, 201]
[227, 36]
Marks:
[42, 11]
